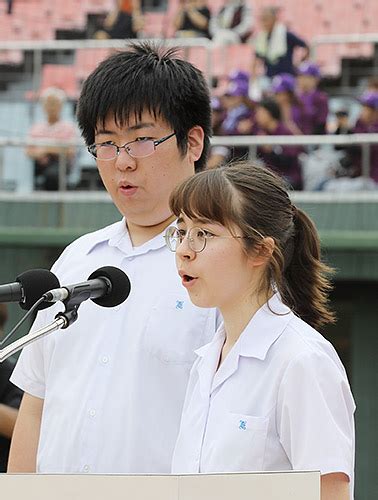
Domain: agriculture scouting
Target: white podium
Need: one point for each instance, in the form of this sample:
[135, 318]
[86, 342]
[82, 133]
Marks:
[235, 486]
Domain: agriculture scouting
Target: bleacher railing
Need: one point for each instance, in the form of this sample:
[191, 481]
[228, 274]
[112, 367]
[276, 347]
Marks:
[37, 47]
[251, 142]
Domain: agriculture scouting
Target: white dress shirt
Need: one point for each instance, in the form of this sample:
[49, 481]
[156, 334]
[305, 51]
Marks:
[280, 400]
[114, 382]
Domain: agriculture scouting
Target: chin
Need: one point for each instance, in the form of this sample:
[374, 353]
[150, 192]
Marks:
[201, 301]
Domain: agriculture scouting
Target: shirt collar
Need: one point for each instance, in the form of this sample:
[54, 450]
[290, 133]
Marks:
[264, 328]
[118, 236]
[261, 332]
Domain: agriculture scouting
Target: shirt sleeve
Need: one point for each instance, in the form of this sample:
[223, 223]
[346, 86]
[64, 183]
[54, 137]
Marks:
[315, 415]
[29, 373]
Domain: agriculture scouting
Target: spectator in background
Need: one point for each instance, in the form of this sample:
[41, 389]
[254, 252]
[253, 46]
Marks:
[314, 100]
[275, 46]
[372, 85]
[192, 19]
[9, 7]
[10, 398]
[282, 159]
[219, 155]
[293, 113]
[239, 110]
[124, 21]
[342, 125]
[237, 104]
[47, 158]
[347, 165]
[232, 24]
[368, 123]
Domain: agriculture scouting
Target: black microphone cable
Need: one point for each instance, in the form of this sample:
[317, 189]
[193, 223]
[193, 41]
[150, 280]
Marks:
[22, 320]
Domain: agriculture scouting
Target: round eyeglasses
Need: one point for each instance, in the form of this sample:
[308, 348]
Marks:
[140, 148]
[197, 238]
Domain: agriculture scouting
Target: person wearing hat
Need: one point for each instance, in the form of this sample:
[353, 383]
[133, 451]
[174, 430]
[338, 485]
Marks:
[238, 106]
[367, 123]
[293, 112]
[239, 110]
[281, 159]
[219, 155]
[314, 100]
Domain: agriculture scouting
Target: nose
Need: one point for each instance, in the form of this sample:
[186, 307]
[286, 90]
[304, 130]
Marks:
[183, 251]
[124, 161]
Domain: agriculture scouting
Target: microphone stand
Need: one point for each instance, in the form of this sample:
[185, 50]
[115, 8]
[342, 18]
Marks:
[62, 320]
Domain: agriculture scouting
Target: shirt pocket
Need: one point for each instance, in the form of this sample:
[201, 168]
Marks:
[237, 443]
[176, 328]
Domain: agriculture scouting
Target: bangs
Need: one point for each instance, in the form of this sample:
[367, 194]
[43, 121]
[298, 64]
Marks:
[129, 101]
[207, 196]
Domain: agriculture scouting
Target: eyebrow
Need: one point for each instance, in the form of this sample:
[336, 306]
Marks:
[138, 126]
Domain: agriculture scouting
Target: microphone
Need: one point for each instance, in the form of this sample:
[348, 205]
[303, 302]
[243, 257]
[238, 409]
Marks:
[29, 287]
[107, 287]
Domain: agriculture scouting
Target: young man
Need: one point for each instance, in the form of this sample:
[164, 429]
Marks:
[106, 395]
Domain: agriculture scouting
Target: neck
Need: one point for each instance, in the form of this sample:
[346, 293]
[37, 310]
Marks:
[141, 234]
[237, 316]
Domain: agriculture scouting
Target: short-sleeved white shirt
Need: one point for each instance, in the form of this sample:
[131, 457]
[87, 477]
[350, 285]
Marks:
[279, 401]
[114, 382]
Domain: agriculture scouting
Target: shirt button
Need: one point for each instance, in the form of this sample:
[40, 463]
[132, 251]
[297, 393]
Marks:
[130, 259]
[86, 468]
[92, 412]
[104, 360]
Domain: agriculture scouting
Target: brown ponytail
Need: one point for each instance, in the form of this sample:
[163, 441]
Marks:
[305, 286]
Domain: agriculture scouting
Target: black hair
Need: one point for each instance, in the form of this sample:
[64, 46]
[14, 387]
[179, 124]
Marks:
[147, 77]
[272, 107]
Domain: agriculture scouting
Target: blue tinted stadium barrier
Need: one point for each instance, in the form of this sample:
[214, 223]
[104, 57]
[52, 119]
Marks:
[250, 141]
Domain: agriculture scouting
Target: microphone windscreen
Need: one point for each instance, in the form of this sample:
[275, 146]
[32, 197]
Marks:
[35, 283]
[120, 286]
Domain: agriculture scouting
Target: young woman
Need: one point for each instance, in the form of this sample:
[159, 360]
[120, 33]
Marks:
[269, 392]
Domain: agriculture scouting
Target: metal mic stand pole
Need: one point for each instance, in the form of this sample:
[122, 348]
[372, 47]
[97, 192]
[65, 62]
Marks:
[62, 320]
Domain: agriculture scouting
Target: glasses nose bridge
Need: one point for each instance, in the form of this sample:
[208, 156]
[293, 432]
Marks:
[181, 249]
[193, 242]
[125, 148]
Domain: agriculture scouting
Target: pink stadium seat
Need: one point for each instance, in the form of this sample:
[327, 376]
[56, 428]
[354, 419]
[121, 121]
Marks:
[87, 60]
[61, 76]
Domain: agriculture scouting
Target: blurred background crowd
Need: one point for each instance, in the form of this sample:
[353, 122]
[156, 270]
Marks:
[268, 74]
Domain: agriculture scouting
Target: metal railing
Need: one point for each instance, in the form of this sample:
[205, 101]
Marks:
[38, 46]
[252, 142]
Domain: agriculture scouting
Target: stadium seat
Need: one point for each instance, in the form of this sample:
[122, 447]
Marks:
[87, 60]
[61, 76]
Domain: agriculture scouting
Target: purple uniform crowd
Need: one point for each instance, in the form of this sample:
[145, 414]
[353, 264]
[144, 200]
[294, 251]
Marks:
[293, 105]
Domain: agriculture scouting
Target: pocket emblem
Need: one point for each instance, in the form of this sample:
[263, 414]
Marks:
[179, 304]
[243, 425]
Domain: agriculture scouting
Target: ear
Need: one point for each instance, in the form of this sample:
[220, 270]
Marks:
[196, 137]
[263, 252]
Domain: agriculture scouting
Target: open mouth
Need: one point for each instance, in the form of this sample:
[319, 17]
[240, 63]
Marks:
[128, 188]
[187, 278]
